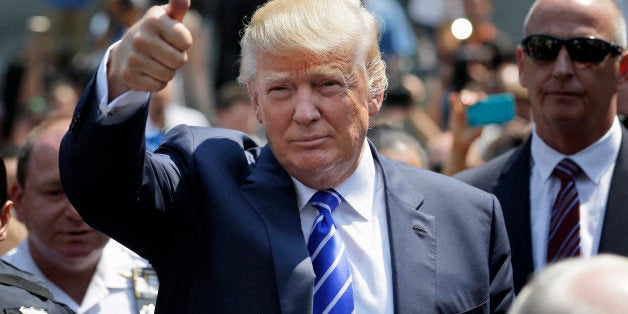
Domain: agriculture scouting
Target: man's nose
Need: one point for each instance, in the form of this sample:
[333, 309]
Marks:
[305, 110]
[563, 65]
[70, 211]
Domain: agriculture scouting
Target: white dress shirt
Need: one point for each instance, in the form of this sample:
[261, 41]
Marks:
[109, 291]
[121, 108]
[362, 225]
[597, 163]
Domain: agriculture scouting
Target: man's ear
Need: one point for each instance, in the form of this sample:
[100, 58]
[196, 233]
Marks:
[622, 86]
[375, 103]
[623, 67]
[520, 65]
[5, 216]
[17, 195]
[255, 102]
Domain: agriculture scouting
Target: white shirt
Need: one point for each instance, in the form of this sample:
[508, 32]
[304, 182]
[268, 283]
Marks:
[120, 108]
[110, 290]
[362, 225]
[597, 162]
[361, 221]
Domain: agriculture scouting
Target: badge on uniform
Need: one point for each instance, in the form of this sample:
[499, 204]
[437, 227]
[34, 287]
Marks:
[145, 287]
[32, 310]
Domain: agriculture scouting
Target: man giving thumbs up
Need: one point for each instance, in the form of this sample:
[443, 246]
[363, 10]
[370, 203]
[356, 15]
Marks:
[315, 221]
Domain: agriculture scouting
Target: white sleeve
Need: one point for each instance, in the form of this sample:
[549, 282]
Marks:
[120, 108]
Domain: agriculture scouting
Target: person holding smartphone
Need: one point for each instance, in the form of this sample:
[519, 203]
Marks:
[563, 191]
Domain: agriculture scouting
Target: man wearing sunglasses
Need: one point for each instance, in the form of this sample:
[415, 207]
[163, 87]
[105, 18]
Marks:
[563, 191]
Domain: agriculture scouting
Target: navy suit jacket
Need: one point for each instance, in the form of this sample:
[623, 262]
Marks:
[508, 177]
[217, 217]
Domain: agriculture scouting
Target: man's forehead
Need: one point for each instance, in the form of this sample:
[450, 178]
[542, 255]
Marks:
[278, 68]
[310, 70]
[570, 18]
[304, 58]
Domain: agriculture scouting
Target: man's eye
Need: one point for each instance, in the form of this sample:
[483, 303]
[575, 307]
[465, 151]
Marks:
[278, 92]
[330, 87]
[332, 83]
[54, 192]
[277, 88]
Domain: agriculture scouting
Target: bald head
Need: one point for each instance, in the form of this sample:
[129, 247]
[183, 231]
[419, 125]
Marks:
[595, 13]
[595, 285]
[45, 139]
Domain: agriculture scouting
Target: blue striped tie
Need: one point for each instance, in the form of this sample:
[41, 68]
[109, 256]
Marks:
[333, 292]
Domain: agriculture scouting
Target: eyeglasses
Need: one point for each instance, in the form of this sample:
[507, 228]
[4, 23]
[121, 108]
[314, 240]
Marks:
[581, 49]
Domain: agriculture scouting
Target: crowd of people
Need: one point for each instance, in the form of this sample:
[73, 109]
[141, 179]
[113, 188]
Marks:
[424, 63]
[290, 136]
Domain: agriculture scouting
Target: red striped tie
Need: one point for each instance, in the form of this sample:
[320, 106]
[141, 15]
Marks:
[564, 234]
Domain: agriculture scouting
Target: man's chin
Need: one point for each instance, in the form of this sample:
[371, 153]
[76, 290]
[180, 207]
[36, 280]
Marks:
[78, 252]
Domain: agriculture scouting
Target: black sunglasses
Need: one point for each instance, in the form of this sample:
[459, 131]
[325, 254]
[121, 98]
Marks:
[581, 49]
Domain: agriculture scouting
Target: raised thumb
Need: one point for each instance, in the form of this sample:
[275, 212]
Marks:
[176, 9]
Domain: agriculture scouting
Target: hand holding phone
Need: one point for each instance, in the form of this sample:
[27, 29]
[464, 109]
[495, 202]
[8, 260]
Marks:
[495, 108]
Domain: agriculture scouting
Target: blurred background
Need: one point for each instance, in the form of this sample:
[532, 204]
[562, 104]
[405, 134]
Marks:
[14, 14]
[433, 48]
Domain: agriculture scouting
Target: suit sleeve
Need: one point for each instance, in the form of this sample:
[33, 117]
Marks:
[501, 286]
[116, 186]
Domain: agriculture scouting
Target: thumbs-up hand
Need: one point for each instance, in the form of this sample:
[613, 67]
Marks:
[151, 50]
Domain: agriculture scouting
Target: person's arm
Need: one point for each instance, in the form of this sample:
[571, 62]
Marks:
[32, 92]
[501, 287]
[463, 135]
[117, 186]
[196, 73]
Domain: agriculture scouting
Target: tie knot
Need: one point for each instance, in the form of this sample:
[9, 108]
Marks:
[326, 200]
[567, 169]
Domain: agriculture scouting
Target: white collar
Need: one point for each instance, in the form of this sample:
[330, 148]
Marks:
[112, 273]
[357, 190]
[593, 160]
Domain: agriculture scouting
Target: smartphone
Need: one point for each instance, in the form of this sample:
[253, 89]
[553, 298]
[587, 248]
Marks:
[495, 108]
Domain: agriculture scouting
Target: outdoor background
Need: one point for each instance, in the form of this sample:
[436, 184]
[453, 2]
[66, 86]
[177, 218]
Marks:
[509, 15]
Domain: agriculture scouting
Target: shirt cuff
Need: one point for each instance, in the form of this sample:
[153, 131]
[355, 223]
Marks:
[121, 108]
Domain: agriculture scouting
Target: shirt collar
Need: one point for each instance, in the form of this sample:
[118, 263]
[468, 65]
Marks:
[593, 160]
[357, 190]
[113, 268]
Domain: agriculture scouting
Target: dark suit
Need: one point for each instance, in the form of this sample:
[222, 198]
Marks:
[217, 217]
[508, 177]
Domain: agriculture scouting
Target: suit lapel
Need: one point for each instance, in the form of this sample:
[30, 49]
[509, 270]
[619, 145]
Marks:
[271, 193]
[513, 191]
[613, 238]
[412, 241]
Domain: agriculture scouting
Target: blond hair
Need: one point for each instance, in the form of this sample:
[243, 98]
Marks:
[284, 27]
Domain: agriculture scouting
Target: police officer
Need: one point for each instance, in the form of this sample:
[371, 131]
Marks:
[21, 292]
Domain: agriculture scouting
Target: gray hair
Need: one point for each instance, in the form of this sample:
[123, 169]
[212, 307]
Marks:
[595, 285]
